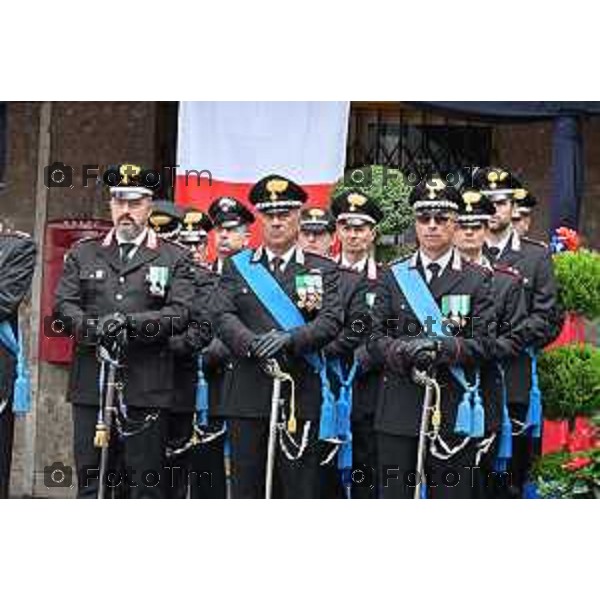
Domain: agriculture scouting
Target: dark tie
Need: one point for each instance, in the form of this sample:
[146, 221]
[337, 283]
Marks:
[434, 269]
[494, 252]
[276, 263]
[125, 250]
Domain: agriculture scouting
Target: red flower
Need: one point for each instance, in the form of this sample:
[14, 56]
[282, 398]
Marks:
[569, 238]
[577, 463]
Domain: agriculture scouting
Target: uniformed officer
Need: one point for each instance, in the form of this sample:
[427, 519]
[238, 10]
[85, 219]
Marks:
[513, 374]
[135, 290]
[187, 474]
[232, 221]
[317, 228]
[276, 303]
[357, 217]
[166, 218]
[532, 259]
[432, 312]
[194, 234]
[525, 201]
[17, 263]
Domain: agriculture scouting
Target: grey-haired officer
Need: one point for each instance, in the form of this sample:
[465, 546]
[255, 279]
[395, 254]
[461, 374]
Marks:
[248, 325]
[17, 263]
[136, 284]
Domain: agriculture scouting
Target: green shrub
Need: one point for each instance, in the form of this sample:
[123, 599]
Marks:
[559, 475]
[578, 276]
[569, 378]
[388, 188]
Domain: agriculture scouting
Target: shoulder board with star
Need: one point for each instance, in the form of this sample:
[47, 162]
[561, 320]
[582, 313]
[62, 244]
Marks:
[476, 267]
[508, 270]
[529, 240]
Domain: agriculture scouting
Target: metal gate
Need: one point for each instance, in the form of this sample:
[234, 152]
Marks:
[412, 140]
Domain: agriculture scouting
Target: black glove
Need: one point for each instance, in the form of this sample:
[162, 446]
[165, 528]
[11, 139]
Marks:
[270, 344]
[111, 329]
[421, 353]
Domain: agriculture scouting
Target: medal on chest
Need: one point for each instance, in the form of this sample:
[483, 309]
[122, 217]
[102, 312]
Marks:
[370, 299]
[456, 307]
[309, 289]
[157, 279]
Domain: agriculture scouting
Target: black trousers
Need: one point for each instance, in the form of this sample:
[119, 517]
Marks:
[7, 420]
[292, 479]
[138, 466]
[446, 479]
[364, 454]
[363, 478]
[200, 471]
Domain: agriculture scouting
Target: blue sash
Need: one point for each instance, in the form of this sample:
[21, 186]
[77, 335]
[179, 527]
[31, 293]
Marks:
[504, 453]
[343, 412]
[470, 418]
[287, 315]
[534, 412]
[22, 386]
[201, 396]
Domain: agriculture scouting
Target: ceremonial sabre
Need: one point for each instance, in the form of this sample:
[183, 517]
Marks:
[431, 404]
[272, 368]
[106, 413]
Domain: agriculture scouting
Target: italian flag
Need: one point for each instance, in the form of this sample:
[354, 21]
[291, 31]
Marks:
[225, 147]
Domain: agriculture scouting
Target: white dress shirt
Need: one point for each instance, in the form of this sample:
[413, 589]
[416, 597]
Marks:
[357, 266]
[137, 242]
[442, 261]
[285, 258]
[501, 245]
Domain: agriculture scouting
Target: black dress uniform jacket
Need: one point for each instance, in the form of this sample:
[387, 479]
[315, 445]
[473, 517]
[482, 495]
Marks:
[533, 260]
[241, 316]
[511, 311]
[217, 357]
[17, 263]
[198, 335]
[96, 282]
[400, 400]
[357, 292]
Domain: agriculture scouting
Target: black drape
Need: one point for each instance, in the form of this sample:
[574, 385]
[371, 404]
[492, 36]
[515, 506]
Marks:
[567, 156]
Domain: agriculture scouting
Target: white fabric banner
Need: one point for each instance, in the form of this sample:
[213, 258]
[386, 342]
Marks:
[244, 141]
